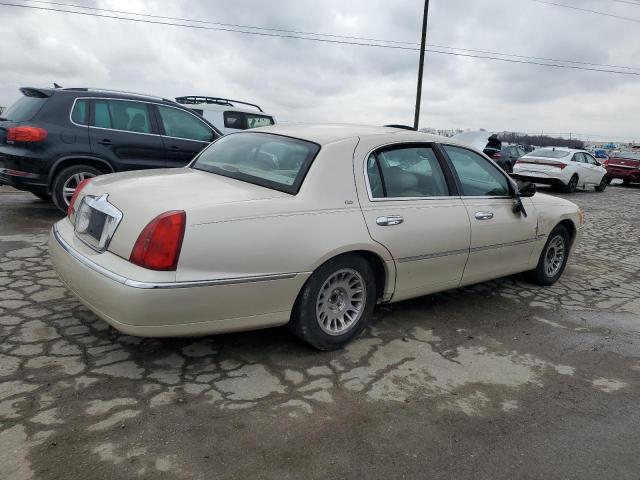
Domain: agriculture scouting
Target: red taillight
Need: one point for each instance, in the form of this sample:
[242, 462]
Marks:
[81, 185]
[158, 246]
[26, 134]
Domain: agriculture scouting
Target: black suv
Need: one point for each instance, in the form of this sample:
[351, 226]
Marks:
[52, 139]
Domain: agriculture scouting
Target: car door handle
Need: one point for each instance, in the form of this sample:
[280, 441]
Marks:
[484, 215]
[174, 148]
[105, 141]
[389, 220]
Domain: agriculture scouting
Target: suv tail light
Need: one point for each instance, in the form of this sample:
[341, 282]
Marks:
[158, 246]
[26, 134]
[71, 209]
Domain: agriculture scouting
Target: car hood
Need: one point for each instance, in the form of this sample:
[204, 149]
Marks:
[482, 141]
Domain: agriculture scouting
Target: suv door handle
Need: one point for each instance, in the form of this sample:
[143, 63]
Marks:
[484, 215]
[174, 148]
[389, 220]
[105, 141]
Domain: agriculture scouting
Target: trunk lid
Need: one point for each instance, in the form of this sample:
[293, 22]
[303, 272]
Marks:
[539, 164]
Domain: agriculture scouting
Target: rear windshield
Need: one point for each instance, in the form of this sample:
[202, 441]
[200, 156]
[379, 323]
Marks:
[272, 161]
[548, 153]
[24, 109]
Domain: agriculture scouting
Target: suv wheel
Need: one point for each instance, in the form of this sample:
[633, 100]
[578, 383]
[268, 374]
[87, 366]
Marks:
[335, 304]
[66, 182]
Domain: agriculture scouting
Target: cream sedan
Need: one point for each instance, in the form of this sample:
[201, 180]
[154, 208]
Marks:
[306, 225]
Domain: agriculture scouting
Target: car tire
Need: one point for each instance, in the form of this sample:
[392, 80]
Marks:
[67, 179]
[45, 197]
[626, 182]
[603, 184]
[572, 185]
[335, 303]
[553, 258]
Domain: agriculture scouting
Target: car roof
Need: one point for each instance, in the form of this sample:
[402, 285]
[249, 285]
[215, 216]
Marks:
[212, 107]
[87, 91]
[324, 134]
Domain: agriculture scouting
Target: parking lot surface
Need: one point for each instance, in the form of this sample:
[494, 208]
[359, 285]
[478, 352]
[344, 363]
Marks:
[502, 380]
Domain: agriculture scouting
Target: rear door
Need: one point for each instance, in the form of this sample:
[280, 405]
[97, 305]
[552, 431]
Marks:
[123, 132]
[585, 173]
[595, 170]
[410, 206]
[184, 135]
[501, 240]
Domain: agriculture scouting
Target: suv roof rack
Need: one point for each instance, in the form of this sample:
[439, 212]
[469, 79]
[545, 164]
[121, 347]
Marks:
[403, 127]
[110, 90]
[196, 99]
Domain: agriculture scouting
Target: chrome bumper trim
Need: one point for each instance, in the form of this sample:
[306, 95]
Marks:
[162, 285]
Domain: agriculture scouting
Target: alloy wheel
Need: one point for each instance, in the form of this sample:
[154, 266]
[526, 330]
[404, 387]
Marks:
[554, 256]
[341, 302]
[72, 183]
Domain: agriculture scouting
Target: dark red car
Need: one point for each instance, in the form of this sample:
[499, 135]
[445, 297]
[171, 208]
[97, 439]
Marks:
[625, 166]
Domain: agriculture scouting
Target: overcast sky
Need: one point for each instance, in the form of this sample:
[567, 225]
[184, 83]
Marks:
[299, 80]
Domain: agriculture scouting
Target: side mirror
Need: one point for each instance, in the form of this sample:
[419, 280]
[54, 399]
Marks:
[527, 189]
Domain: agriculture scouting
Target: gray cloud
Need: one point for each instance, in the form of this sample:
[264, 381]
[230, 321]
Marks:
[308, 81]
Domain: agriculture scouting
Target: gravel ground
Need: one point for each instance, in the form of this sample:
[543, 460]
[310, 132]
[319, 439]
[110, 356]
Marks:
[502, 380]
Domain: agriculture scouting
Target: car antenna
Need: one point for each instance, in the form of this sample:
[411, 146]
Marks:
[55, 85]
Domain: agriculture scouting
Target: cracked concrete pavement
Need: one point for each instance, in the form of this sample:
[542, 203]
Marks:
[499, 380]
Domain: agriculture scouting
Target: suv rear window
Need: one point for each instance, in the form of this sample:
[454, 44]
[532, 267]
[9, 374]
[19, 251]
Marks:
[243, 121]
[24, 109]
[271, 161]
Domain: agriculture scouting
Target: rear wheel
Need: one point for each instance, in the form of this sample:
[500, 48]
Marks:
[66, 182]
[603, 183]
[572, 185]
[553, 258]
[626, 182]
[336, 303]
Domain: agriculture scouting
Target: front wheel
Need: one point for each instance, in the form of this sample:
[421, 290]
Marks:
[66, 182]
[603, 184]
[572, 185]
[336, 303]
[553, 258]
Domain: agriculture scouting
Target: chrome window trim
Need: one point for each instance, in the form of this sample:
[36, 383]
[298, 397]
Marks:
[162, 285]
[396, 199]
[140, 133]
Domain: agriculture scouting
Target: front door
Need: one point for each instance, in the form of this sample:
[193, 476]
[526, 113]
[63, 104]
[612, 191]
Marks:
[502, 240]
[184, 135]
[122, 132]
[410, 207]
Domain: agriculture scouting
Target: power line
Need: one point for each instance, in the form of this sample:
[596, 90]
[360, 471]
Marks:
[597, 12]
[322, 40]
[488, 52]
[628, 2]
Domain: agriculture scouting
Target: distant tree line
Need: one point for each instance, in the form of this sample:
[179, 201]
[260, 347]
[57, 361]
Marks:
[539, 140]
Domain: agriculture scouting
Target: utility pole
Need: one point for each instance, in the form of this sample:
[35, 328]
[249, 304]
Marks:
[416, 118]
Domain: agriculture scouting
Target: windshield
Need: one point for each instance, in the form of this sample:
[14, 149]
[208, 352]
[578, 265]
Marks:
[272, 161]
[548, 153]
[24, 109]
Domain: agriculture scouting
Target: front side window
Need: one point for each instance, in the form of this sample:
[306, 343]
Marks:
[272, 161]
[122, 115]
[578, 157]
[479, 178]
[79, 113]
[234, 120]
[406, 172]
[180, 124]
[590, 159]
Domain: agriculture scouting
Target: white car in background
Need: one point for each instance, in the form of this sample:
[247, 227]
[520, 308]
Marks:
[562, 167]
[224, 114]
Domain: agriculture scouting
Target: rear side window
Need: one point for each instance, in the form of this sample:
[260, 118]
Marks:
[234, 120]
[24, 109]
[479, 178]
[406, 172]
[180, 124]
[79, 113]
[254, 121]
[122, 115]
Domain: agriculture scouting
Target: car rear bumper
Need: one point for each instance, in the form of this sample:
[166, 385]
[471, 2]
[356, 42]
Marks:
[538, 178]
[172, 309]
[624, 174]
[31, 182]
